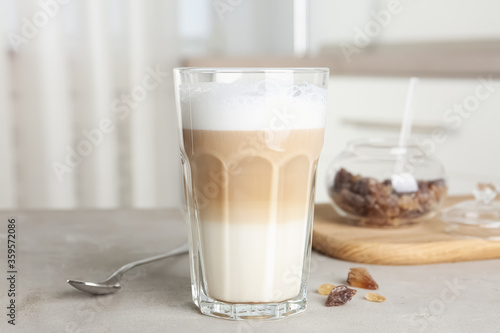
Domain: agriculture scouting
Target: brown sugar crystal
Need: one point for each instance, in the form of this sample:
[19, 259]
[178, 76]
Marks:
[360, 278]
[325, 289]
[374, 297]
[340, 295]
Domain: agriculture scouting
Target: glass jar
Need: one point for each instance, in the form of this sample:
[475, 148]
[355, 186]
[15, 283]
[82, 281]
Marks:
[376, 183]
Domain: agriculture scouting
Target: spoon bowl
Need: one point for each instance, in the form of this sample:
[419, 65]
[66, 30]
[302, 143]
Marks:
[95, 288]
[112, 283]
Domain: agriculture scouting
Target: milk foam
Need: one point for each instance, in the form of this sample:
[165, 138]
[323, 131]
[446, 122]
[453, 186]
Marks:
[252, 105]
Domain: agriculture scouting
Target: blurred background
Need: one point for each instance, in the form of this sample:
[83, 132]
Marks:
[87, 116]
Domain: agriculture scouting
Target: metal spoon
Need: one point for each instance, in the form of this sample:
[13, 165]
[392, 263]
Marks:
[112, 283]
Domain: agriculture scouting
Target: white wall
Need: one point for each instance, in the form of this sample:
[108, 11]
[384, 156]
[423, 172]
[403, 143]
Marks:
[335, 21]
[246, 27]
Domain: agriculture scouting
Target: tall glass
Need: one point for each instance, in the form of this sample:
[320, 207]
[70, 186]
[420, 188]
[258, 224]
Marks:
[250, 139]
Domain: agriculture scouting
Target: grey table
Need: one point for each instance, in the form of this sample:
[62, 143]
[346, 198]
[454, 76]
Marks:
[55, 245]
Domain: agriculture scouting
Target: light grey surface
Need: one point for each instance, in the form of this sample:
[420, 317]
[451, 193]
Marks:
[56, 245]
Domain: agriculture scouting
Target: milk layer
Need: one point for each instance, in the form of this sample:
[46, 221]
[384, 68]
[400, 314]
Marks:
[248, 263]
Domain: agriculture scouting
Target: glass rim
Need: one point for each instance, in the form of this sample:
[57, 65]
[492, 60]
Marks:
[252, 70]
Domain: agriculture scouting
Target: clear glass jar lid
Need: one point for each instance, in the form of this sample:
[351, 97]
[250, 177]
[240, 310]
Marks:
[476, 218]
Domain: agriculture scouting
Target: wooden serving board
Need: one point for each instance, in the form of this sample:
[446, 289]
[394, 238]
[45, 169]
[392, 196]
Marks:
[424, 243]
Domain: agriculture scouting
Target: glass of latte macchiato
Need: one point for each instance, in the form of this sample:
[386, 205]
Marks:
[250, 139]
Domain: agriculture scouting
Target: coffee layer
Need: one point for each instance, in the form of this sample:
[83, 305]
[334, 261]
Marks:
[252, 176]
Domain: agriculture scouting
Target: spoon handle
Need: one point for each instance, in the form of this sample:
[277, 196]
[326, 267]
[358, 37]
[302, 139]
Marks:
[122, 270]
